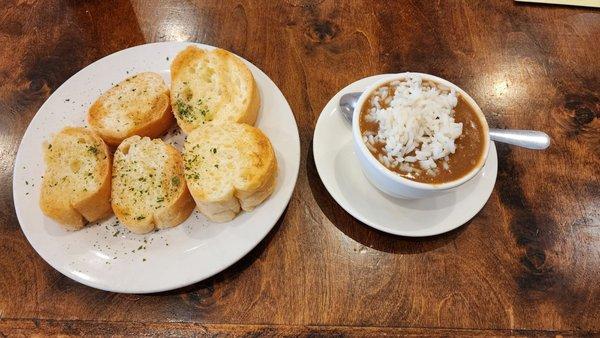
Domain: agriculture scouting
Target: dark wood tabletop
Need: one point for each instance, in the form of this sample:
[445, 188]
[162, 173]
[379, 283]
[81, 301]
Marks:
[527, 264]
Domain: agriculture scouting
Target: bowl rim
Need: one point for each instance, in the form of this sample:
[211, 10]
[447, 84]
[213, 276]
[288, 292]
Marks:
[400, 179]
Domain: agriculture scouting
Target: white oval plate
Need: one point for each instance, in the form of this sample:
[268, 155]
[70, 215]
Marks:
[343, 178]
[105, 255]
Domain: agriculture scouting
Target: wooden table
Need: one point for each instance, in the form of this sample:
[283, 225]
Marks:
[528, 263]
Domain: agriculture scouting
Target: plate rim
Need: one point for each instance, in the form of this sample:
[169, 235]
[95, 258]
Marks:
[173, 286]
[358, 216]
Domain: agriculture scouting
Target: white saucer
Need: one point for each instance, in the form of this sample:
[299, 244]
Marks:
[342, 176]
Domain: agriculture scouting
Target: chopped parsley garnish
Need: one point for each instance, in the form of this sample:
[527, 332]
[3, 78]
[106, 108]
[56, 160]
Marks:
[193, 176]
[160, 199]
[175, 180]
[187, 111]
[93, 150]
[140, 217]
[49, 146]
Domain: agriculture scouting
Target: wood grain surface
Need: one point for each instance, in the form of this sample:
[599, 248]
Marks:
[527, 264]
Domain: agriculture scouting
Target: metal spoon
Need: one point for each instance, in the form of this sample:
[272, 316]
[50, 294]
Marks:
[530, 139]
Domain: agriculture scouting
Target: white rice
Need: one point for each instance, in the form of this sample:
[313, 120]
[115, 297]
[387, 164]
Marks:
[416, 127]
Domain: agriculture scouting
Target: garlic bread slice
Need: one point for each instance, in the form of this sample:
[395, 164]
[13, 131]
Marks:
[212, 86]
[138, 105]
[228, 167]
[76, 183]
[148, 187]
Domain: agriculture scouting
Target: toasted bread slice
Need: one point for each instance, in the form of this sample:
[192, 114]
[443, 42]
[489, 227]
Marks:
[148, 188]
[76, 183]
[212, 85]
[229, 166]
[139, 105]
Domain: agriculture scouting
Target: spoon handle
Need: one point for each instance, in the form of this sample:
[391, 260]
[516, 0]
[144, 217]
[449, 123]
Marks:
[530, 139]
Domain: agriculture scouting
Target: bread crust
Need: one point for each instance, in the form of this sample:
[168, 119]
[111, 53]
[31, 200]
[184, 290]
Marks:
[219, 211]
[93, 206]
[157, 120]
[181, 207]
[251, 113]
[97, 205]
[250, 199]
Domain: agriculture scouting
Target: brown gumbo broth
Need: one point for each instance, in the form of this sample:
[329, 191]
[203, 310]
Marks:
[469, 146]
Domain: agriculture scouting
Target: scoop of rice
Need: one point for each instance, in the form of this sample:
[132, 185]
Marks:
[416, 126]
